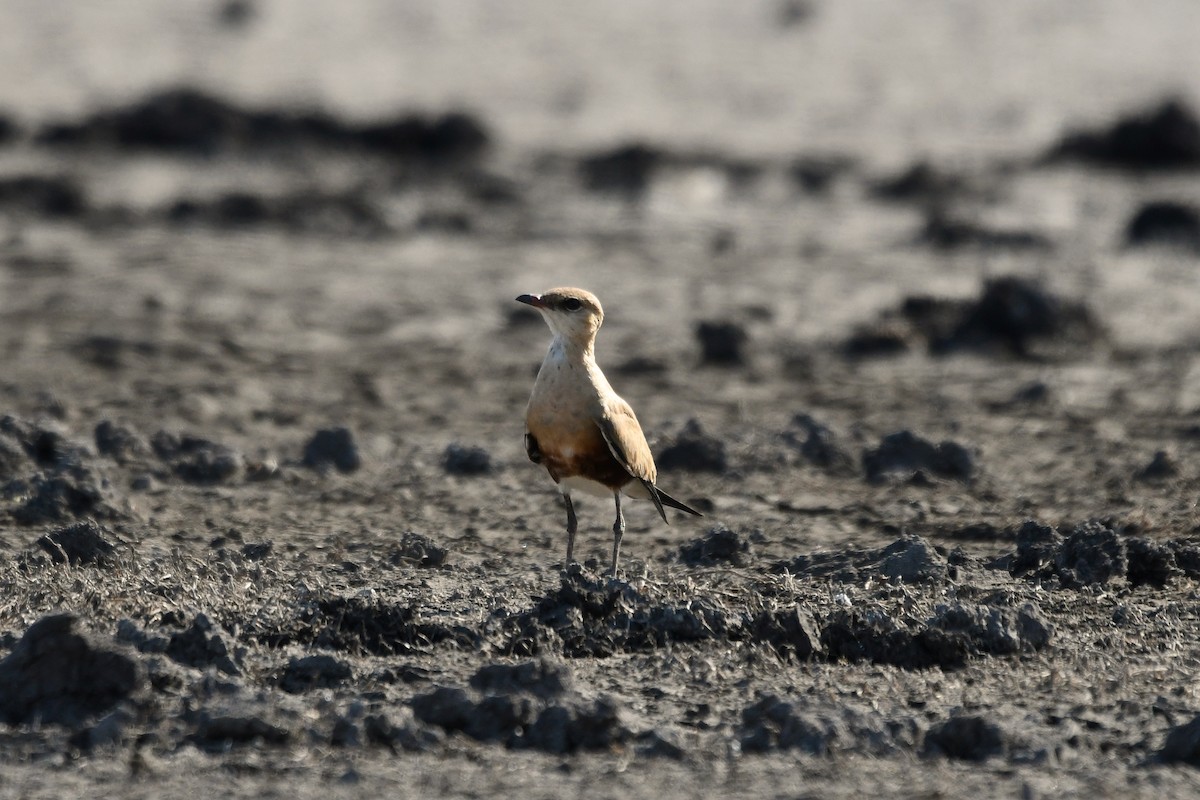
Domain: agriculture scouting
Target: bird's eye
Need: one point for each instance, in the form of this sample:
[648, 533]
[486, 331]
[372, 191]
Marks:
[572, 304]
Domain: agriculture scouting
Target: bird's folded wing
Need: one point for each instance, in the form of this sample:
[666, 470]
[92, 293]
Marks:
[628, 445]
[625, 440]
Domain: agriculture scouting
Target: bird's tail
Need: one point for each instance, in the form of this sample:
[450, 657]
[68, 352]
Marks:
[661, 499]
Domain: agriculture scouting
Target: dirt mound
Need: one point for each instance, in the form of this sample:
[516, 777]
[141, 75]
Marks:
[588, 617]
[59, 675]
[947, 231]
[523, 721]
[820, 445]
[694, 450]
[967, 737]
[332, 448]
[188, 121]
[196, 460]
[462, 459]
[910, 559]
[905, 456]
[352, 212]
[946, 639]
[54, 196]
[722, 342]
[313, 672]
[1164, 222]
[720, 545]
[82, 543]
[1012, 315]
[775, 723]
[1094, 553]
[416, 548]
[1163, 137]
[358, 625]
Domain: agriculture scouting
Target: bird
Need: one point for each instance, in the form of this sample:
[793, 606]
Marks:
[577, 427]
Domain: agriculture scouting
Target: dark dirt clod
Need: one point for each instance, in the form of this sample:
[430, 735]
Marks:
[816, 174]
[694, 450]
[1162, 467]
[589, 617]
[540, 678]
[452, 138]
[313, 672]
[112, 352]
[857, 636]
[909, 556]
[1012, 315]
[1182, 744]
[46, 446]
[380, 730]
[184, 120]
[560, 729]
[912, 560]
[13, 462]
[625, 170]
[1037, 549]
[357, 625]
[966, 738]
[878, 339]
[722, 342]
[494, 718]
[791, 631]
[921, 182]
[57, 196]
[1187, 558]
[198, 460]
[1163, 222]
[217, 733]
[201, 646]
[820, 446]
[82, 543]
[904, 456]
[59, 675]
[118, 442]
[60, 498]
[1092, 554]
[349, 212]
[720, 545]
[9, 130]
[772, 723]
[989, 630]
[462, 459]
[1014, 312]
[1165, 137]
[447, 707]
[794, 13]
[416, 548]
[236, 13]
[1150, 563]
[947, 639]
[946, 232]
[332, 447]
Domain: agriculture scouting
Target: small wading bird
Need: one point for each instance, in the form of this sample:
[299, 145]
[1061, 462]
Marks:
[577, 427]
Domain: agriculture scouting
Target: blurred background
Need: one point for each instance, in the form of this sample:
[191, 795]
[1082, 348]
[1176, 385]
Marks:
[867, 77]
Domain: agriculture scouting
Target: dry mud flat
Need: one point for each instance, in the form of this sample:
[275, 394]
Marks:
[269, 530]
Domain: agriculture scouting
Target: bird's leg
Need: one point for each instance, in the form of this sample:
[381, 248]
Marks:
[618, 532]
[572, 526]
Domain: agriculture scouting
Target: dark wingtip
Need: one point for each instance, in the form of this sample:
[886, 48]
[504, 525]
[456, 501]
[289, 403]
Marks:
[654, 496]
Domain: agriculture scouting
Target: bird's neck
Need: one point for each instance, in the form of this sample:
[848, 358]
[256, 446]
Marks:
[573, 350]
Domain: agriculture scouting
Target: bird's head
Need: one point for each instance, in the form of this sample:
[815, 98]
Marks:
[571, 313]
